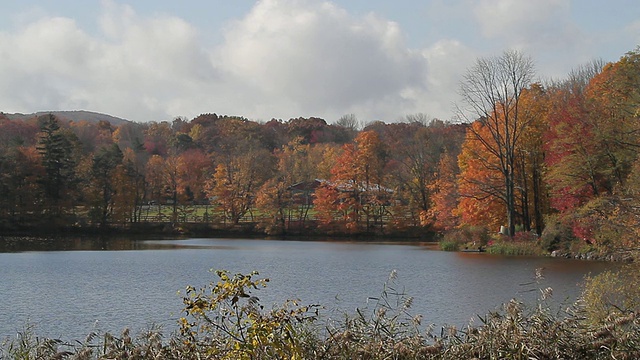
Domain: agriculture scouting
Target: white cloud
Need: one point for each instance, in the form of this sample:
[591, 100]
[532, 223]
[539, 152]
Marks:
[284, 59]
[523, 19]
[140, 70]
[314, 58]
[543, 29]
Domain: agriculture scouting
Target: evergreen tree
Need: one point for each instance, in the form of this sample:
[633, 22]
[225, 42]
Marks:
[56, 148]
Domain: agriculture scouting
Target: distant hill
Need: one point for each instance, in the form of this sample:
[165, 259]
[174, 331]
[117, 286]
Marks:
[75, 116]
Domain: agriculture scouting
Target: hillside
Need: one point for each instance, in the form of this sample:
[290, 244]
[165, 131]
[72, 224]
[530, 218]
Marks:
[74, 115]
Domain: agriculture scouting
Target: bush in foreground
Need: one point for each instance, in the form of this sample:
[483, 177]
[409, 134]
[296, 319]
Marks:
[226, 321]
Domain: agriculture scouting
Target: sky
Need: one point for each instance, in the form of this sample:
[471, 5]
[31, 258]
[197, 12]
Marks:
[155, 60]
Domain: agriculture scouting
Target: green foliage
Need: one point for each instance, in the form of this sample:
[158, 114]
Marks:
[505, 246]
[447, 245]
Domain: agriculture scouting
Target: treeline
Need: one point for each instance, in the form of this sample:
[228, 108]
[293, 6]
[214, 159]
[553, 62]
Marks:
[557, 160]
[290, 175]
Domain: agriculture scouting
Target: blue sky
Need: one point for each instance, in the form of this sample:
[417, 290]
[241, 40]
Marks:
[378, 59]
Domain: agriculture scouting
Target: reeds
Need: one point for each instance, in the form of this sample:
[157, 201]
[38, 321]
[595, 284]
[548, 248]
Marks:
[385, 329]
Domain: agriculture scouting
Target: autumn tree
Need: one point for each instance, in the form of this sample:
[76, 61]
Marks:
[17, 133]
[236, 180]
[613, 103]
[129, 135]
[491, 91]
[358, 175]
[171, 179]
[415, 155]
[274, 200]
[350, 123]
[158, 138]
[20, 169]
[480, 182]
[331, 213]
[155, 178]
[593, 159]
[531, 189]
[571, 147]
[295, 167]
[194, 168]
[444, 195]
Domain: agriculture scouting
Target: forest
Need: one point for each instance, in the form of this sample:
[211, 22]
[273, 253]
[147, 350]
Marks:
[553, 163]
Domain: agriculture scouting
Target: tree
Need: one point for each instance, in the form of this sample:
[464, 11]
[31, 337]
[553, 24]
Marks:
[444, 195]
[236, 181]
[330, 212]
[491, 91]
[532, 194]
[155, 178]
[102, 187]
[480, 182]
[416, 152]
[574, 152]
[57, 150]
[419, 118]
[194, 168]
[273, 199]
[592, 151]
[358, 174]
[158, 138]
[130, 188]
[349, 121]
[276, 199]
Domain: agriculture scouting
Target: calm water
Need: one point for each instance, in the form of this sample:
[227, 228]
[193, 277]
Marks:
[68, 293]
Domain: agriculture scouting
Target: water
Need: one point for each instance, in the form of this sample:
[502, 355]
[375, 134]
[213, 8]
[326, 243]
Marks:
[69, 293]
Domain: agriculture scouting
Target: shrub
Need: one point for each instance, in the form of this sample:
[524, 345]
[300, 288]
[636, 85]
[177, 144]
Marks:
[225, 321]
[556, 235]
[470, 236]
[612, 293]
[515, 247]
[449, 245]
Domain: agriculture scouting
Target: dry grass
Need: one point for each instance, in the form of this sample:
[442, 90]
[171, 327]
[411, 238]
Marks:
[385, 331]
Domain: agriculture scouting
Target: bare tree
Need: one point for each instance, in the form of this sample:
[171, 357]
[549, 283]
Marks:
[349, 121]
[491, 91]
[419, 118]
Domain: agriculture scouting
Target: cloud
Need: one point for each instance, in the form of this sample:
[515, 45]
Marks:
[316, 58]
[283, 59]
[41, 62]
[542, 28]
[142, 68]
[520, 19]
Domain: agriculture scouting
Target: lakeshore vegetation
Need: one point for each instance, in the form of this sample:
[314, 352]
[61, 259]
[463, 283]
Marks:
[226, 320]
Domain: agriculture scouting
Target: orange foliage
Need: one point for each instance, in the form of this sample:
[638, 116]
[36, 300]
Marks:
[479, 184]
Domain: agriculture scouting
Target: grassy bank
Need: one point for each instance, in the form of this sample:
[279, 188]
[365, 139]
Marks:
[226, 321]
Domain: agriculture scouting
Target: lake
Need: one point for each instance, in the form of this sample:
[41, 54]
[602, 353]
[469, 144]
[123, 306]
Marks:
[70, 288]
